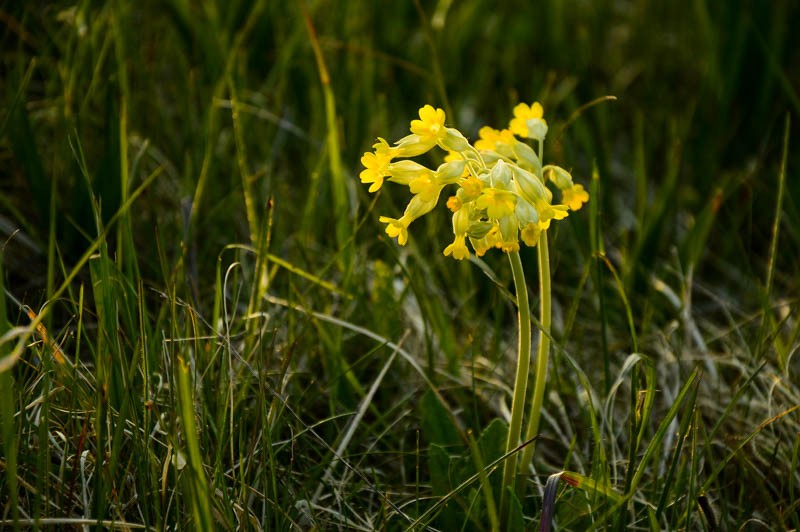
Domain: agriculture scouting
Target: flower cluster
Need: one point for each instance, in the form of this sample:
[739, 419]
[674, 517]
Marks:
[501, 195]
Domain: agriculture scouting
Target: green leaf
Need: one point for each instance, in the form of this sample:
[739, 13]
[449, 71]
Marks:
[439, 465]
[437, 427]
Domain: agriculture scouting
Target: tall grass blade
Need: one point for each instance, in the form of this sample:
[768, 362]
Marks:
[197, 482]
[339, 184]
[8, 407]
[767, 319]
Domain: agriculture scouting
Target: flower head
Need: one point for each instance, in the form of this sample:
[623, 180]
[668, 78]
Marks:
[549, 212]
[396, 229]
[497, 202]
[430, 126]
[503, 196]
[471, 188]
[454, 204]
[493, 140]
[458, 249]
[426, 187]
[530, 234]
[376, 165]
[574, 197]
[528, 121]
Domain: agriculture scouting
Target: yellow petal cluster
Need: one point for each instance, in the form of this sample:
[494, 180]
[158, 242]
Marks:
[501, 188]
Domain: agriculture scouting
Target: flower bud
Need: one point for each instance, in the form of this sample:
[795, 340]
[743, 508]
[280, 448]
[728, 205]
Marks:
[450, 172]
[529, 186]
[526, 156]
[526, 213]
[460, 222]
[560, 177]
[453, 140]
[413, 145]
[537, 128]
[405, 171]
[501, 175]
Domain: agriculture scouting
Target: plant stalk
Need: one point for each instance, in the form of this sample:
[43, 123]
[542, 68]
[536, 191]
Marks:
[520, 381]
[542, 355]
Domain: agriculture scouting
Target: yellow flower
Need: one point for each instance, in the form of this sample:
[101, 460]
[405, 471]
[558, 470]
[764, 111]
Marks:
[453, 203]
[406, 171]
[497, 202]
[549, 212]
[490, 138]
[530, 234]
[430, 127]
[574, 197]
[458, 249]
[472, 187]
[509, 246]
[427, 188]
[494, 238]
[396, 228]
[509, 233]
[480, 245]
[376, 167]
[528, 121]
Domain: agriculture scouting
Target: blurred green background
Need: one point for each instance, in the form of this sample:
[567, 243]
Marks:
[702, 89]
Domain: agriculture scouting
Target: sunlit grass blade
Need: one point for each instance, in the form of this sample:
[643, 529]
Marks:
[197, 481]
[767, 319]
[339, 184]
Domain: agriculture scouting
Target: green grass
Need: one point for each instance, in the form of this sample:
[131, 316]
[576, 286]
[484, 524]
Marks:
[180, 211]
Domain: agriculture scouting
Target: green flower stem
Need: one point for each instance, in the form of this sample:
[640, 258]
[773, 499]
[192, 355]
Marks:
[541, 357]
[521, 380]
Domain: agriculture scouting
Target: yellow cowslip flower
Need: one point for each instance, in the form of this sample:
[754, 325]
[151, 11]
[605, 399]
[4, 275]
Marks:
[490, 138]
[509, 234]
[406, 171]
[574, 197]
[430, 130]
[509, 246]
[487, 138]
[430, 126]
[480, 245]
[458, 249]
[493, 238]
[471, 188]
[454, 204]
[528, 121]
[497, 202]
[549, 212]
[376, 167]
[396, 228]
[530, 234]
[502, 199]
[419, 205]
[426, 187]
